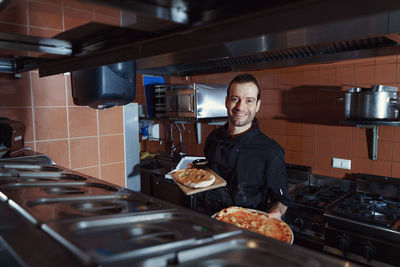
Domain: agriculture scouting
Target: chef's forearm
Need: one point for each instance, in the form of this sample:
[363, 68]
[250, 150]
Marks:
[278, 207]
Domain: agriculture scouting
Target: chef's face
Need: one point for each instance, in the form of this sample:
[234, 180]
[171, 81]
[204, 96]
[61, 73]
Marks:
[242, 104]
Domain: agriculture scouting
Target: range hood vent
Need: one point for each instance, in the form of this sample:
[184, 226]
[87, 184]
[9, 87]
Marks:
[183, 38]
[280, 58]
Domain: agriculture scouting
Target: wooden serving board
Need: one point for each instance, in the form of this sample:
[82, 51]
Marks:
[219, 182]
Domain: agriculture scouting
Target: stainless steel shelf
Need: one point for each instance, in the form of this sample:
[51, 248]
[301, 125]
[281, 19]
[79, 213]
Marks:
[370, 124]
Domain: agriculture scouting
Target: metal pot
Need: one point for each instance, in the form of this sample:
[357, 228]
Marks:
[377, 103]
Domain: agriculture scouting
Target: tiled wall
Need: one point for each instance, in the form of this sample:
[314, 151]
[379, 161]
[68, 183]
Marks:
[79, 138]
[300, 110]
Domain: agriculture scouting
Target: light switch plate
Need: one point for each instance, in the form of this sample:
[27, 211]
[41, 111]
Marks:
[341, 163]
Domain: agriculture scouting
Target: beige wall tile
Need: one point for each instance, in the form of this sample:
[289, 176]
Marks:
[110, 121]
[114, 173]
[57, 150]
[82, 121]
[48, 91]
[50, 123]
[84, 152]
[111, 149]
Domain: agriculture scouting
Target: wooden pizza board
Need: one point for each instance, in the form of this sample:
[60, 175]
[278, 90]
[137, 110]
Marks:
[219, 182]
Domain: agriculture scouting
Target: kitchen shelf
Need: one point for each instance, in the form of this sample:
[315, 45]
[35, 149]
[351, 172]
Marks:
[371, 125]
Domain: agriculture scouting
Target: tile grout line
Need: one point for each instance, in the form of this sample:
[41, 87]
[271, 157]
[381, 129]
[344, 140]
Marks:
[93, 166]
[98, 143]
[125, 170]
[33, 113]
[68, 129]
[30, 85]
[76, 138]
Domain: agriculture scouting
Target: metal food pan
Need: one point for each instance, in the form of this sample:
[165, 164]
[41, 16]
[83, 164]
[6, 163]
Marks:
[34, 190]
[46, 209]
[129, 238]
[250, 251]
[9, 167]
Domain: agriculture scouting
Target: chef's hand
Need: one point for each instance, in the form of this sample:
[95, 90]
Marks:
[275, 214]
[277, 210]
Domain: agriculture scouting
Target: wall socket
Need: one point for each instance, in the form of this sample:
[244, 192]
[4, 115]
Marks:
[341, 163]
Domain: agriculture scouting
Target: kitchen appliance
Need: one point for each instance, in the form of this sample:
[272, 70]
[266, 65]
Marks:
[297, 175]
[159, 99]
[196, 100]
[380, 102]
[12, 136]
[305, 213]
[105, 86]
[365, 225]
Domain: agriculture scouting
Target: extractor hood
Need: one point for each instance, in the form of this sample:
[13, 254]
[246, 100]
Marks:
[182, 37]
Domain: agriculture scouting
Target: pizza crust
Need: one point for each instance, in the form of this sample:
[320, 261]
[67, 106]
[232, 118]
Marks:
[194, 178]
[256, 221]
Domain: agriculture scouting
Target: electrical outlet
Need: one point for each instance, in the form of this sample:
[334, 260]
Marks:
[341, 163]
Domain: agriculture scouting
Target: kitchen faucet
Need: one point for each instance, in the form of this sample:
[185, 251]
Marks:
[173, 148]
[181, 150]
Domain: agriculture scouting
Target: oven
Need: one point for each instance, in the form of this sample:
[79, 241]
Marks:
[305, 213]
[364, 226]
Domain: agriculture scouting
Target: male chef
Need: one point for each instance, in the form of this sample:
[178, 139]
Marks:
[252, 164]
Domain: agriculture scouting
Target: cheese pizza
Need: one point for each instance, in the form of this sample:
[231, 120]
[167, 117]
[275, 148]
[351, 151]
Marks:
[194, 178]
[255, 221]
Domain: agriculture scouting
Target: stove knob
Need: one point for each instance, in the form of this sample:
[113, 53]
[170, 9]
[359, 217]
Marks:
[316, 227]
[299, 222]
[368, 250]
[344, 243]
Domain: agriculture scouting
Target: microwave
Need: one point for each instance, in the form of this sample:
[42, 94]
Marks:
[199, 101]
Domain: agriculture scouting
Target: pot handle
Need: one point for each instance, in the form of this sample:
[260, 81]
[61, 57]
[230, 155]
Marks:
[395, 101]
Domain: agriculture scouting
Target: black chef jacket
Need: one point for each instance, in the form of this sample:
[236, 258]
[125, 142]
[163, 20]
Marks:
[253, 166]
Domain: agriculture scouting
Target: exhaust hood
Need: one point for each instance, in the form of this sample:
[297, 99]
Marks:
[182, 37]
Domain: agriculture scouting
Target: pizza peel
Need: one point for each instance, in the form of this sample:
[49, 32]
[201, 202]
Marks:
[219, 182]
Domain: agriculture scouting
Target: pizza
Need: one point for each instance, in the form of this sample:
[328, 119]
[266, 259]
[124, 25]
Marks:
[256, 221]
[194, 178]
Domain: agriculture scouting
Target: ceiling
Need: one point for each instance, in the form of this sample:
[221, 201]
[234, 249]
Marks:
[182, 37]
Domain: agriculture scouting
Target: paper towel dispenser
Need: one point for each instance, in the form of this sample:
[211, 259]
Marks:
[105, 86]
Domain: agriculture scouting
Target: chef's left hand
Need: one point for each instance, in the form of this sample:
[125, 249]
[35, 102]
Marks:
[275, 214]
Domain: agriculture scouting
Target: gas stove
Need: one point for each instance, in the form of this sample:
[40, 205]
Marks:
[369, 208]
[318, 196]
[365, 225]
[309, 201]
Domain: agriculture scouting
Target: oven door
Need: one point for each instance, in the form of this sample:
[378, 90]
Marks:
[307, 225]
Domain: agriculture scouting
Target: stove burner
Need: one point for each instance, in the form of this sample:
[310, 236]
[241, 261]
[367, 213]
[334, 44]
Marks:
[369, 208]
[318, 196]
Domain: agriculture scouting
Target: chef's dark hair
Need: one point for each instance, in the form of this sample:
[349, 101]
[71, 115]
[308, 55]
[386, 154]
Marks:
[245, 78]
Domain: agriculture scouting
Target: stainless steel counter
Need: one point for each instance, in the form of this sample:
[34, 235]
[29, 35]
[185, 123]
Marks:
[48, 219]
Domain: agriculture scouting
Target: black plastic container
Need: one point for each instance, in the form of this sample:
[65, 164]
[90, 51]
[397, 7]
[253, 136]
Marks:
[105, 86]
